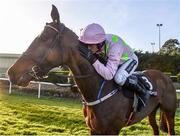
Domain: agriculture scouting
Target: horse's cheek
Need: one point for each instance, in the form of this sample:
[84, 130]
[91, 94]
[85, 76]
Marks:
[53, 56]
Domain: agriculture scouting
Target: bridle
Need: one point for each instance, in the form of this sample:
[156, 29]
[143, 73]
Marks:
[38, 71]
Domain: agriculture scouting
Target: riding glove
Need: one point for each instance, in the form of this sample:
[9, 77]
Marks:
[101, 57]
[87, 54]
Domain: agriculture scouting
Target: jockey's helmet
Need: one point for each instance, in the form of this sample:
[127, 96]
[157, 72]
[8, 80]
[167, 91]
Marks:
[92, 34]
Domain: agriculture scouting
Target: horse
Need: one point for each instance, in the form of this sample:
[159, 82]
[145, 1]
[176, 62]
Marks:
[58, 45]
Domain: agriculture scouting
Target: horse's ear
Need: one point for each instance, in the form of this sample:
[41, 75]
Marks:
[55, 14]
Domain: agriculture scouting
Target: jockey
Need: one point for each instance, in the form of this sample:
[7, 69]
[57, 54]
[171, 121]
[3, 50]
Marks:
[121, 60]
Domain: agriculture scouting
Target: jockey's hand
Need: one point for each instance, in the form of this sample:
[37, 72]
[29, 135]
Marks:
[101, 58]
[87, 54]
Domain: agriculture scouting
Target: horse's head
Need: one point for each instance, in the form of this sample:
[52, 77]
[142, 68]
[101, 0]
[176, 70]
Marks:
[45, 52]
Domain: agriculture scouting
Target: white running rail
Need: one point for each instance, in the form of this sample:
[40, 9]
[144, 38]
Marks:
[47, 83]
[39, 85]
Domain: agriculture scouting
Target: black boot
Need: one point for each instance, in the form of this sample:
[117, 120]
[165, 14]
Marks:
[132, 84]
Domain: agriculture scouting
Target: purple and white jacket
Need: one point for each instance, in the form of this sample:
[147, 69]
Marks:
[118, 52]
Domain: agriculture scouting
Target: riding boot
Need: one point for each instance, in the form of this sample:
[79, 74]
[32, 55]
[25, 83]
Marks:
[132, 84]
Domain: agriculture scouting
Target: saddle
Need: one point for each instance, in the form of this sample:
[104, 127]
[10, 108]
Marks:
[145, 82]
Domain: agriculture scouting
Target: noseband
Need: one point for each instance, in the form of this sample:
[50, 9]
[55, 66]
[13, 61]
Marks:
[38, 71]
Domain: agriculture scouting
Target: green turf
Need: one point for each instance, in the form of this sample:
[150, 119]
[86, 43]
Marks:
[27, 115]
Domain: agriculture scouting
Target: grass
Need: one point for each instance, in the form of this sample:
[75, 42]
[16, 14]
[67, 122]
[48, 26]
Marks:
[176, 85]
[178, 96]
[27, 115]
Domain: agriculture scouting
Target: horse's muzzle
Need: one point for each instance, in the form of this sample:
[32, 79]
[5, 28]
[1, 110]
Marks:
[21, 80]
[24, 80]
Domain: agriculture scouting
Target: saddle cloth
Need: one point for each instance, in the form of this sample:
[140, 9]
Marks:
[145, 82]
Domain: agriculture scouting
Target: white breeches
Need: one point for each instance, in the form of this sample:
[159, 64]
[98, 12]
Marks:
[125, 71]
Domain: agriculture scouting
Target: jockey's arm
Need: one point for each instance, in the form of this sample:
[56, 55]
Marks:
[108, 71]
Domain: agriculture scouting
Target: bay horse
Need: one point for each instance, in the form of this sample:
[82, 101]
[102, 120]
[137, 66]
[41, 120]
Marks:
[58, 45]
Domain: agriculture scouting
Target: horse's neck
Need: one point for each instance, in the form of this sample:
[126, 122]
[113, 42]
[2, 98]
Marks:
[89, 84]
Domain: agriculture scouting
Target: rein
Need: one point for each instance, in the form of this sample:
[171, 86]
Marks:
[75, 76]
[99, 98]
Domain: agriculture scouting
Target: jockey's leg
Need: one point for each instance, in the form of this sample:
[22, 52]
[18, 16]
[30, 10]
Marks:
[125, 70]
[132, 84]
[125, 78]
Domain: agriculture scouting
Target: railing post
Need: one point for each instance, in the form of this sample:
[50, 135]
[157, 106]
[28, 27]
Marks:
[39, 89]
[10, 86]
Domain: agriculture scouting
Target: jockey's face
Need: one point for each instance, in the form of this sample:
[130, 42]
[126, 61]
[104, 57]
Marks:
[93, 48]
